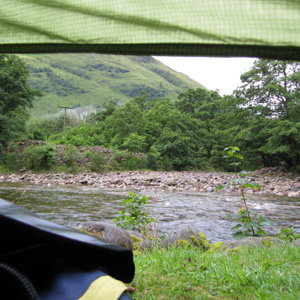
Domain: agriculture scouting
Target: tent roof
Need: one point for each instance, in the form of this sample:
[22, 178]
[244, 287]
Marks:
[254, 28]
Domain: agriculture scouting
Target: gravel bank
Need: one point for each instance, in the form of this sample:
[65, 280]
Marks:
[272, 181]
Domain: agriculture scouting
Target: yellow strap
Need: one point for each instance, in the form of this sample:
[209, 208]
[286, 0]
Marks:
[104, 288]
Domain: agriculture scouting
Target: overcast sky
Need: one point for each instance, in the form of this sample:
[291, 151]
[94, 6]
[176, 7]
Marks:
[221, 74]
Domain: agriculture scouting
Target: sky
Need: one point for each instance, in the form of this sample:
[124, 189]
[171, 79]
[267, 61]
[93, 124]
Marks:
[215, 73]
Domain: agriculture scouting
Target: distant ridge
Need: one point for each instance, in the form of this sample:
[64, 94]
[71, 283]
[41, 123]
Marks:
[86, 81]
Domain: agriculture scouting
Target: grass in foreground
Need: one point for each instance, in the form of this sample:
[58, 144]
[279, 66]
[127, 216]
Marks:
[249, 273]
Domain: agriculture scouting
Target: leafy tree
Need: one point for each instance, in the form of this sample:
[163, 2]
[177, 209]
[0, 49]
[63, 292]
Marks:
[176, 148]
[135, 143]
[208, 107]
[43, 129]
[102, 114]
[269, 102]
[283, 144]
[200, 103]
[15, 97]
[253, 135]
[39, 157]
[82, 135]
[122, 122]
[271, 88]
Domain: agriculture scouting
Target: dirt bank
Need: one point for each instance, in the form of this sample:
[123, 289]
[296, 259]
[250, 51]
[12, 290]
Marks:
[272, 181]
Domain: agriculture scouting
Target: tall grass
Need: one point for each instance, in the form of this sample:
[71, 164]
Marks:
[248, 273]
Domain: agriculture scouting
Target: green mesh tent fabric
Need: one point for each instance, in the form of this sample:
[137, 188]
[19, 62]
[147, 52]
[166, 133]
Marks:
[257, 28]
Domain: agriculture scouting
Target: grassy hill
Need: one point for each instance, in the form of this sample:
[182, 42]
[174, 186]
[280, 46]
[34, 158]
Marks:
[87, 81]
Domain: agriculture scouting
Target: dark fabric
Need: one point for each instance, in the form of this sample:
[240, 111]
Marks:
[68, 282]
[280, 52]
[125, 296]
[26, 237]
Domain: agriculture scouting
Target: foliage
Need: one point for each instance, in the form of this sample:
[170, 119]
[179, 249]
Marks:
[134, 163]
[283, 144]
[289, 234]
[133, 215]
[121, 160]
[233, 157]
[16, 97]
[97, 161]
[39, 157]
[82, 135]
[249, 224]
[11, 159]
[134, 142]
[175, 148]
[43, 129]
[271, 88]
[262, 117]
[70, 158]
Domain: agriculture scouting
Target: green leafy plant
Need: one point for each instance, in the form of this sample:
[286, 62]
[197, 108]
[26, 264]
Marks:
[11, 157]
[288, 234]
[133, 216]
[135, 143]
[122, 160]
[97, 161]
[71, 156]
[233, 156]
[249, 224]
[39, 157]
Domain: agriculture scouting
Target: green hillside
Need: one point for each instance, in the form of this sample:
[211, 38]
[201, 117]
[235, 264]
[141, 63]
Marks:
[89, 80]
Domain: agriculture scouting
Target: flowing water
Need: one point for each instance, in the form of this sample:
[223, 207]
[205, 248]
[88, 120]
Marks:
[206, 212]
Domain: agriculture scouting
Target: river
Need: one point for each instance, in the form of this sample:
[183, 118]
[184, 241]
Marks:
[206, 212]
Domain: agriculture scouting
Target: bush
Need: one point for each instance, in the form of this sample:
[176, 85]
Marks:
[135, 163]
[81, 135]
[135, 143]
[11, 158]
[121, 160]
[133, 216]
[39, 157]
[71, 156]
[43, 129]
[11, 161]
[97, 161]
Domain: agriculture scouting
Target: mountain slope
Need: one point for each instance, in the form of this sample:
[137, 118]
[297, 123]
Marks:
[85, 80]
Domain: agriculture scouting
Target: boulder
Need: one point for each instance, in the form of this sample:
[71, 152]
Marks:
[252, 242]
[187, 236]
[109, 233]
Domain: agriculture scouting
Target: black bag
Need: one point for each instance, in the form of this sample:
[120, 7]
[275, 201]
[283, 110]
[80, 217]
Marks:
[40, 259]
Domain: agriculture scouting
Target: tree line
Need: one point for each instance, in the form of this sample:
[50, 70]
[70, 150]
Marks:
[261, 117]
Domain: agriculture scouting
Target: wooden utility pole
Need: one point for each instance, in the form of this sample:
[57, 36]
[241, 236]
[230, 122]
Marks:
[65, 107]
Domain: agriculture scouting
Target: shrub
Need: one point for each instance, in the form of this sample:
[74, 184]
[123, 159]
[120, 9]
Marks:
[81, 135]
[39, 157]
[71, 156]
[289, 234]
[249, 224]
[97, 161]
[11, 161]
[133, 216]
[11, 158]
[135, 143]
[121, 160]
[135, 163]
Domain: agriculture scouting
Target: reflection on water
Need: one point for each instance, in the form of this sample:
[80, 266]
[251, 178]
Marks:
[207, 212]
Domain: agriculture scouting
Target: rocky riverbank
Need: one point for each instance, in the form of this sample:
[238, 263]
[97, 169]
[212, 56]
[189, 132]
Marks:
[272, 181]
